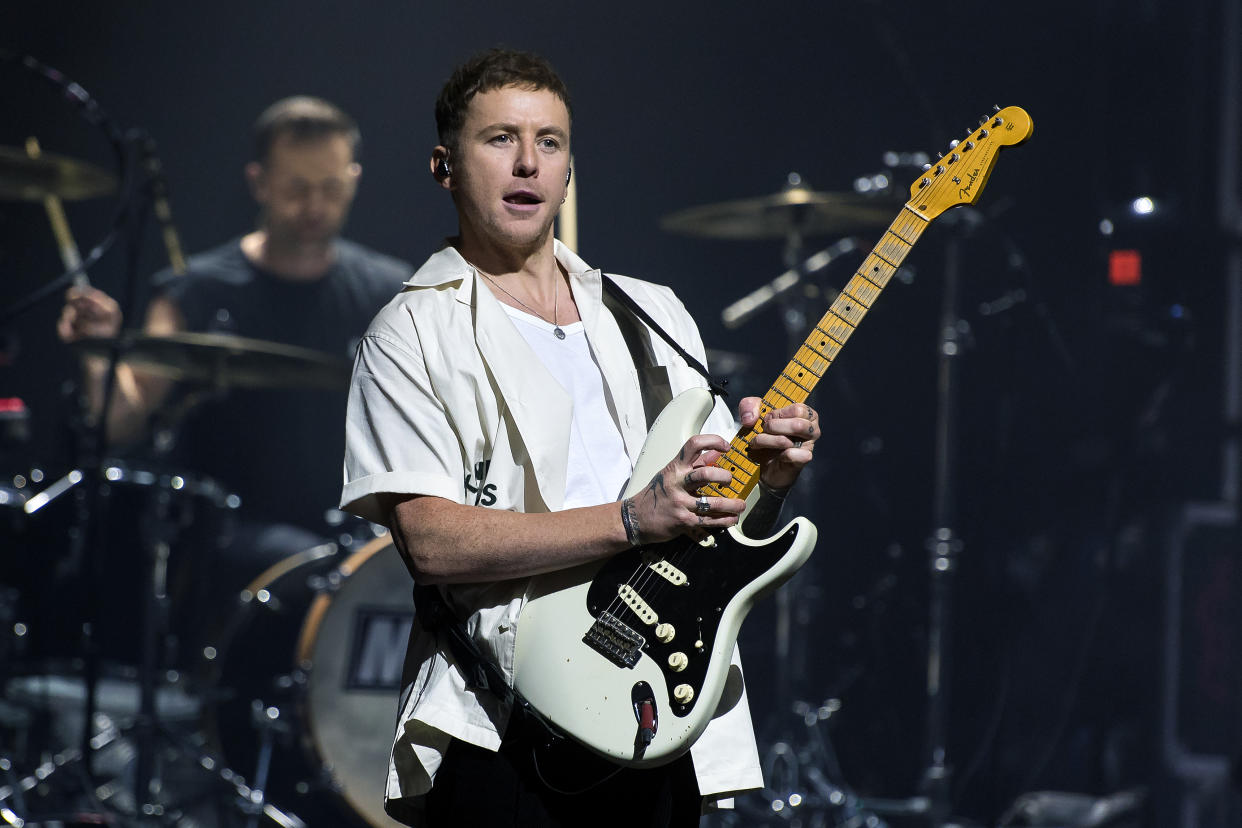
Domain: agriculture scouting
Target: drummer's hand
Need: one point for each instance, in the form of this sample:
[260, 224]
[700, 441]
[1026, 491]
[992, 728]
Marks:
[88, 312]
[671, 505]
[786, 443]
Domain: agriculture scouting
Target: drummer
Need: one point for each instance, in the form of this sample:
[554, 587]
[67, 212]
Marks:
[293, 280]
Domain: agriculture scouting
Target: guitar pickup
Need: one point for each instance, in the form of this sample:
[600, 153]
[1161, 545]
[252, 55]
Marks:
[615, 640]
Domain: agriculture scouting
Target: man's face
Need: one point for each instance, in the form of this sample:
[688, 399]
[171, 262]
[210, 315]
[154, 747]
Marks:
[305, 189]
[509, 167]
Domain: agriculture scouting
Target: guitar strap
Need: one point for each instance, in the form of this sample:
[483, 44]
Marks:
[614, 290]
[435, 616]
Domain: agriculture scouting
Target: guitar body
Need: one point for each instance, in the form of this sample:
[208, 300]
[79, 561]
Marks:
[591, 645]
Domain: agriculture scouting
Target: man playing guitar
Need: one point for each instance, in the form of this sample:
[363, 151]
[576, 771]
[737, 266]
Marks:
[497, 409]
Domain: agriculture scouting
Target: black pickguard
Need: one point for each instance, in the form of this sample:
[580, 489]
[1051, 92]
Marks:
[714, 576]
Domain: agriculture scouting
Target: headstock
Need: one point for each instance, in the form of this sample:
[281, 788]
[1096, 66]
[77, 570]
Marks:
[958, 177]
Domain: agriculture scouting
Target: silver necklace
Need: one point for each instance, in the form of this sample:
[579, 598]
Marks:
[556, 297]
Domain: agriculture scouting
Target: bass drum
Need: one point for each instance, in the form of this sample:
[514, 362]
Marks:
[313, 659]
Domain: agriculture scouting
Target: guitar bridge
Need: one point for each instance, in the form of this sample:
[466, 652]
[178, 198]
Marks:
[614, 640]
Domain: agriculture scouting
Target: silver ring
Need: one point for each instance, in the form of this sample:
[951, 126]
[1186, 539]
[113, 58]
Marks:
[797, 444]
[701, 505]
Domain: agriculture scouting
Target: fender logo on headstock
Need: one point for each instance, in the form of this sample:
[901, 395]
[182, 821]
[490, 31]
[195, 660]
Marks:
[964, 192]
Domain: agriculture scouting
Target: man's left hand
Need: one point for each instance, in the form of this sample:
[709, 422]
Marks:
[786, 443]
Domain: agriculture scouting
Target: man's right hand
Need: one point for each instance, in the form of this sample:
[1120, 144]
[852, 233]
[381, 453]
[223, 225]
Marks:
[88, 312]
[670, 504]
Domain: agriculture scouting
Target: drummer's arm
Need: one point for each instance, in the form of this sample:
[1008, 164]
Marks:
[92, 313]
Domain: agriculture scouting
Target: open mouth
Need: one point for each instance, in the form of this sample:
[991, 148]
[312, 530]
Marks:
[522, 197]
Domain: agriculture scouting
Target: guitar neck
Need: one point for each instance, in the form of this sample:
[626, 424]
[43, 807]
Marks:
[821, 347]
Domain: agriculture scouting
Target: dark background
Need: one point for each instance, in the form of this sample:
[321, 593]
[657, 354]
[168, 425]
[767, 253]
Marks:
[1089, 413]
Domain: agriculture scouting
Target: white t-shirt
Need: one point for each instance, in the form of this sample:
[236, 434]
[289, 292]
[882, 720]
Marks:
[598, 468]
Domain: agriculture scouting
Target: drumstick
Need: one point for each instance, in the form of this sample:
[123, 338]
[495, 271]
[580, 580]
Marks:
[69, 255]
[567, 219]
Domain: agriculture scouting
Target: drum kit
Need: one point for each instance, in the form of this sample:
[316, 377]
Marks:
[147, 688]
[276, 707]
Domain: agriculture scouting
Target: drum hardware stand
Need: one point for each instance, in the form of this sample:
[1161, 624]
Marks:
[267, 722]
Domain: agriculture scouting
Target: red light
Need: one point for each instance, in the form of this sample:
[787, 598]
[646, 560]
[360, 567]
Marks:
[1125, 267]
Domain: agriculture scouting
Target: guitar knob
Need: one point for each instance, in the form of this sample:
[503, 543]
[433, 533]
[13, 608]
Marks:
[678, 662]
[665, 632]
[683, 693]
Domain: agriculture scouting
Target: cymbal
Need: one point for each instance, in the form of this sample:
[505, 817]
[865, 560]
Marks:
[796, 209]
[23, 178]
[225, 361]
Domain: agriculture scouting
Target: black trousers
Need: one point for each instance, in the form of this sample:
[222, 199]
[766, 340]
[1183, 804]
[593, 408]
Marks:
[529, 785]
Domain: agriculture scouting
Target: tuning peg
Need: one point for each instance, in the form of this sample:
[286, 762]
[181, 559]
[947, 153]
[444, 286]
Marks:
[984, 119]
[995, 108]
[926, 167]
[940, 155]
[953, 144]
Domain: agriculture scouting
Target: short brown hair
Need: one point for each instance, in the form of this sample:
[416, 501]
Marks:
[493, 69]
[302, 118]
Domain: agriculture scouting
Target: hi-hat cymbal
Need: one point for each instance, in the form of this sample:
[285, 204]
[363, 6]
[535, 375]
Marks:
[23, 178]
[796, 209]
[225, 361]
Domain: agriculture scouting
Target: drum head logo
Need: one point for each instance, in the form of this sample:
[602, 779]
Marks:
[378, 649]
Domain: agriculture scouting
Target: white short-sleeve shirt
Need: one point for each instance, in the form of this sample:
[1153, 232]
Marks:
[447, 399]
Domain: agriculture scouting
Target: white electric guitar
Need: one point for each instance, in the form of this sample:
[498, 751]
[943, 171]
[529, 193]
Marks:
[630, 655]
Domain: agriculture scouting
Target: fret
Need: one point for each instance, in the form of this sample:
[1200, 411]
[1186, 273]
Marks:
[863, 290]
[819, 342]
[839, 329]
[849, 309]
[780, 400]
[788, 380]
[877, 271]
[790, 390]
[738, 462]
[810, 363]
